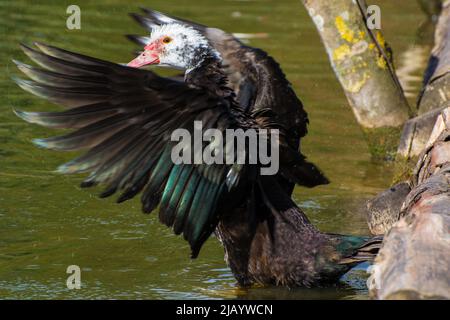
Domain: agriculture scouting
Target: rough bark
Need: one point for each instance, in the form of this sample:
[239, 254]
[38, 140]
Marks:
[435, 94]
[414, 261]
[416, 133]
[436, 91]
[363, 65]
[384, 210]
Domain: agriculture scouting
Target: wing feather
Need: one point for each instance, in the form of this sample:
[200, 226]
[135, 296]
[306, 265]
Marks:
[259, 84]
[123, 118]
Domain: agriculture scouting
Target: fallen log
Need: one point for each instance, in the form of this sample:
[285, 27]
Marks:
[362, 62]
[435, 94]
[436, 90]
[414, 261]
[384, 209]
[416, 133]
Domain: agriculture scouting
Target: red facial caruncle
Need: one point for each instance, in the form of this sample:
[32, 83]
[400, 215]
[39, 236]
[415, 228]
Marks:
[151, 53]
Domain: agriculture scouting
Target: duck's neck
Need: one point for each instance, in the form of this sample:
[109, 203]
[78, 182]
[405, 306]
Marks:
[208, 74]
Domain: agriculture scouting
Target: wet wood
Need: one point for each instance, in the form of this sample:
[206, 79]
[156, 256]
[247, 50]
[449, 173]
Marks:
[416, 133]
[435, 94]
[436, 91]
[414, 260]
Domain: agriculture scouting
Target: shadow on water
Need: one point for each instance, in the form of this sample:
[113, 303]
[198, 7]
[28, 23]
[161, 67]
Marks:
[47, 223]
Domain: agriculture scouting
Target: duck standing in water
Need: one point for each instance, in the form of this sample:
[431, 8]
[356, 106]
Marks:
[124, 116]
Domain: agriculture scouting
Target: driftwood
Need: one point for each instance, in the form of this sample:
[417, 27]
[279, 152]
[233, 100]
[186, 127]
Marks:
[414, 261]
[416, 133]
[435, 94]
[363, 65]
[436, 91]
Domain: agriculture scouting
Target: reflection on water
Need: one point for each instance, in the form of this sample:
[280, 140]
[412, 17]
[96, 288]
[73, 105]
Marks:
[47, 223]
[410, 70]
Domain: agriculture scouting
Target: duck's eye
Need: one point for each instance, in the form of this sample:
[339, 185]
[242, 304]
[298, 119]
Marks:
[167, 40]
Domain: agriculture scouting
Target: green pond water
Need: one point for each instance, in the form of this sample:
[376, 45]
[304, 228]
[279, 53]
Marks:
[48, 223]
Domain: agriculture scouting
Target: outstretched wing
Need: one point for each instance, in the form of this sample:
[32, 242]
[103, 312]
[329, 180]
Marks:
[124, 118]
[256, 77]
[261, 86]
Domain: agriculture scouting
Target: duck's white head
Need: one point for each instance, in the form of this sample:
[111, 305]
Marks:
[176, 45]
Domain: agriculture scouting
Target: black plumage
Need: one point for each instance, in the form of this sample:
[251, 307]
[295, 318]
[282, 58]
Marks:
[123, 117]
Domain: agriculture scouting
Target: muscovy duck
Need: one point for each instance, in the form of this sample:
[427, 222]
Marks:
[124, 115]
